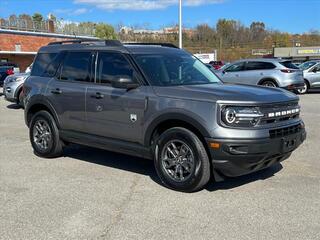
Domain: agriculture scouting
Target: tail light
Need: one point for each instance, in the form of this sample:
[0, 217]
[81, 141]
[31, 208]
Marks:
[10, 72]
[287, 70]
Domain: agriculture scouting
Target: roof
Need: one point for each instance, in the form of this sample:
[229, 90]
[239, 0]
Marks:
[133, 48]
[262, 60]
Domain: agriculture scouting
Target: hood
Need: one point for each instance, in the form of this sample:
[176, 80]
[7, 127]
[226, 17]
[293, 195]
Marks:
[227, 92]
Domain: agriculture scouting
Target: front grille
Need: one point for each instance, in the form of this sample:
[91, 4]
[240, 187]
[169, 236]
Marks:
[273, 113]
[281, 132]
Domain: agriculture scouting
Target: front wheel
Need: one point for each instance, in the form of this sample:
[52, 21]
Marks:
[181, 160]
[304, 89]
[44, 135]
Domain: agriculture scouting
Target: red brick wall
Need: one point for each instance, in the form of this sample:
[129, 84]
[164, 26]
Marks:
[28, 43]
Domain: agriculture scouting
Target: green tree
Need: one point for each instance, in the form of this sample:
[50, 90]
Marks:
[37, 17]
[105, 31]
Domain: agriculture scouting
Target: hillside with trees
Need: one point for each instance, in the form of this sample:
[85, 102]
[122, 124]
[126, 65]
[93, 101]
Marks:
[232, 39]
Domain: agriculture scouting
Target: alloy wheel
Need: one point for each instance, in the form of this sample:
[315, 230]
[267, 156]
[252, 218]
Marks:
[177, 160]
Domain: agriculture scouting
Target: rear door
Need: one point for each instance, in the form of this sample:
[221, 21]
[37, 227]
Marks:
[66, 91]
[114, 112]
[233, 73]
[256, 70]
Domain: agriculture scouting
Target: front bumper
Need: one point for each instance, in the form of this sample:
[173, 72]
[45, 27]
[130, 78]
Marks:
[10, 91]
[236, 157]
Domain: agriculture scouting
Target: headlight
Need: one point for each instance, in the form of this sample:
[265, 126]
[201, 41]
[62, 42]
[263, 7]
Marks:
[16, 79]
[240, 116]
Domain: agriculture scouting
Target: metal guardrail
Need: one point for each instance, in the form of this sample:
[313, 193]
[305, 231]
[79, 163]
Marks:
[57, 26]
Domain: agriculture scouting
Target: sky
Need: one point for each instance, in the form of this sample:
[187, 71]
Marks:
[293, 16]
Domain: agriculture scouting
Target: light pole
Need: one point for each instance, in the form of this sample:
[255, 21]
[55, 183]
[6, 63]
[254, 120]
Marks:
[180, 23]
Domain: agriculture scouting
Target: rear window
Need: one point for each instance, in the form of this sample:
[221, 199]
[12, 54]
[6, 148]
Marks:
[77, 67]
[289, 64]
[41, 63]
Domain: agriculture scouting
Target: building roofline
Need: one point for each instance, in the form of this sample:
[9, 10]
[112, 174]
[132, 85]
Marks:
[44, 34]
[18, 53]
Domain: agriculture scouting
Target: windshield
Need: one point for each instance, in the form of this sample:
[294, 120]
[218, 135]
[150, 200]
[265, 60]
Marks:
[175, 69]
[307, 65]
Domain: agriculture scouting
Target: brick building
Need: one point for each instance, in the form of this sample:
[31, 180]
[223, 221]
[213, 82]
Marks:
[20, 47]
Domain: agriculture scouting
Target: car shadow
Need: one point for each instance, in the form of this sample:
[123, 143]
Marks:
[313, 91]
[146, 167]
[14, 106]
[230, 183]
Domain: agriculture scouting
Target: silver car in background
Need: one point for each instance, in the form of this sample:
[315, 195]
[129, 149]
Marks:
[266, 72]
[311, 73]
[13, 86]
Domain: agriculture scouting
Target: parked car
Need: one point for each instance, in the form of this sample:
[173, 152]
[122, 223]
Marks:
[13, 88]
[157, 102]
[217, 64]
[265, 72]
[6, 69]
[311, 73]
[210, 67]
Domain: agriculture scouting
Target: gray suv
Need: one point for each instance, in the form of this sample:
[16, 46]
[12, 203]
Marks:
[271, 72]
[157, 102]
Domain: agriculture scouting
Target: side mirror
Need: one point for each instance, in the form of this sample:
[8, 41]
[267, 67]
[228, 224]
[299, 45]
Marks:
[124, 82]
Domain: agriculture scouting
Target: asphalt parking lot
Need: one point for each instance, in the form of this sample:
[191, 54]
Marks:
[95, 194]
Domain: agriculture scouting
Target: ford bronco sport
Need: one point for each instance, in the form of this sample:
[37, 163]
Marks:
[159, 102]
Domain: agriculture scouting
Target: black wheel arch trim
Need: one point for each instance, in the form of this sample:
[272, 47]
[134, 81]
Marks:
[173, 117]
[40, 100]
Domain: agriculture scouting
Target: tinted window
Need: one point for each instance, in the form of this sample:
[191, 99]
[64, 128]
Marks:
[52, 68]
[77, 67]
[112, 66]
[259, 65]
[41, 63]
[289, 64]
[235, 67]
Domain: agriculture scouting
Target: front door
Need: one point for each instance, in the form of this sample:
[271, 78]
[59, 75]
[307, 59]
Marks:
[314, 76]
[232, 74]
[115, 112]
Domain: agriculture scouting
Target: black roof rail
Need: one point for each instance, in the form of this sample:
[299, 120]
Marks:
[92, 41]
[171, 45]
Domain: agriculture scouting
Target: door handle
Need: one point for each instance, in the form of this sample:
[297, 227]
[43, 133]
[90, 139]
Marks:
[98, 96]
[56, 91]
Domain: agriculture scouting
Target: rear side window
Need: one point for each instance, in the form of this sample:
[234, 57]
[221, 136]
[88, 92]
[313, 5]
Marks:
[77, 67]
[289, 64]
[112, 66]
[259, 66]
[41, 63]
[235, 67]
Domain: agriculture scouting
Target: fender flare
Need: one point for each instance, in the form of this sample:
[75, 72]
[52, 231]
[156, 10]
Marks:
[173, 117]
[40, 100]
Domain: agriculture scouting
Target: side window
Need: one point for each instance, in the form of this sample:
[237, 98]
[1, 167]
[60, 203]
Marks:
[112, 66]
[235, 67]
[77, 67]
[41, 62]
[316, 68]
[259, 65]
[53, 66]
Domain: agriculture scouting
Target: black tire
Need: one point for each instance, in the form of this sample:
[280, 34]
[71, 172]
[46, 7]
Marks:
[305, 88]
[198, 173]
[20, 99]
[55, 145]
[269, 83]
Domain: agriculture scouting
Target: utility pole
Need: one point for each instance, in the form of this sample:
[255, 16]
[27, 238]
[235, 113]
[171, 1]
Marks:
[180, 23]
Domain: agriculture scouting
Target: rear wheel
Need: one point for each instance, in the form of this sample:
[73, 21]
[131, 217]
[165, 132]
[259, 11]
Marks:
[181, 160]
[269, 83]
[44, 135]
